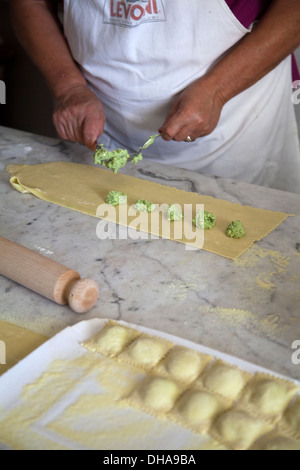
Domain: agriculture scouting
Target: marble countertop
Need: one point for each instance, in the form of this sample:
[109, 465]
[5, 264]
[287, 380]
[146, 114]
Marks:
[249, 308]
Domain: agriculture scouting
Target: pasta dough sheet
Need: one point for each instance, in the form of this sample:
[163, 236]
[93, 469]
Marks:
[19, 342]
[83, 188]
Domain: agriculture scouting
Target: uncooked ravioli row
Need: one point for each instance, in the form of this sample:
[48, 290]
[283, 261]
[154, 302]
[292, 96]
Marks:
[148, 352]
[207, 413]
[203, 393]
[167, 399]
[162, 357]
[128, 345]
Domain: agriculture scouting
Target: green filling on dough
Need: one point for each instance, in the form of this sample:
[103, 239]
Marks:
[236, 229]
[144, 206]
[206, 220]
[115, 197]
[174, 213]
[113, 160]
[116, 159]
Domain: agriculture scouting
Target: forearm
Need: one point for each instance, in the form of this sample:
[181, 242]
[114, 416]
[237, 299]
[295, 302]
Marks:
[275, 37]
[39, 32]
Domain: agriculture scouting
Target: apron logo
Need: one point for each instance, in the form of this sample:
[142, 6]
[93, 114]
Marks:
[132, 13]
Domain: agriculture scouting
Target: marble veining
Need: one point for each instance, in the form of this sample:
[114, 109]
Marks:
[249, 308]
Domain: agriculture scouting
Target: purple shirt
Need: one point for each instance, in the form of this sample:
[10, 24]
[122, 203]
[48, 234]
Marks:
[248, 11]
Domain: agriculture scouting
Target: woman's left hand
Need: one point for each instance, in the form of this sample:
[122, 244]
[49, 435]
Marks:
[195, 113]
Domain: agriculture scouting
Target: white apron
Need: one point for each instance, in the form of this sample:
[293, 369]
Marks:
[137, 55]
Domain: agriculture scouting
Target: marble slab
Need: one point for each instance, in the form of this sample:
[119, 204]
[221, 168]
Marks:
[249, 308]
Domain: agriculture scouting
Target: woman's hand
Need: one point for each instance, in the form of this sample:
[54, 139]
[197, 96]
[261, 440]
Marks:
[195, 113]
[79, 116]
[197, 110]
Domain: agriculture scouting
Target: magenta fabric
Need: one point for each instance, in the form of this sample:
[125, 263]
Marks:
[295, 69]
[248, 11]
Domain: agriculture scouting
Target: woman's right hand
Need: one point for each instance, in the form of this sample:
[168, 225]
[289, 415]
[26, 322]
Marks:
[79, 116]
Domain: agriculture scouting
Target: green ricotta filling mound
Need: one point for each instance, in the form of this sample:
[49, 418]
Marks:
[206, 220]
[116, 159]
[174, 213]
[236, 229]
[144, 206]
[115, 198]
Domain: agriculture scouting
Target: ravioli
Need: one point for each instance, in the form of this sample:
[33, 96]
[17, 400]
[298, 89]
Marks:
[224, 380]
[268, 397]
[184, 364]
[197, 407]
[145, 351]
[239, 430]
[292, 417]
[110, 341]
[158, 394]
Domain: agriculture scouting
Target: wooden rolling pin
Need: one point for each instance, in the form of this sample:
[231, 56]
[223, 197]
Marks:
[46, 277]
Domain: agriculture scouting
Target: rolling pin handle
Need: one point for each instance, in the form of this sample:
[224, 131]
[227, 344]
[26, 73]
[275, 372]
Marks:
[46, 277]
[82, 295]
